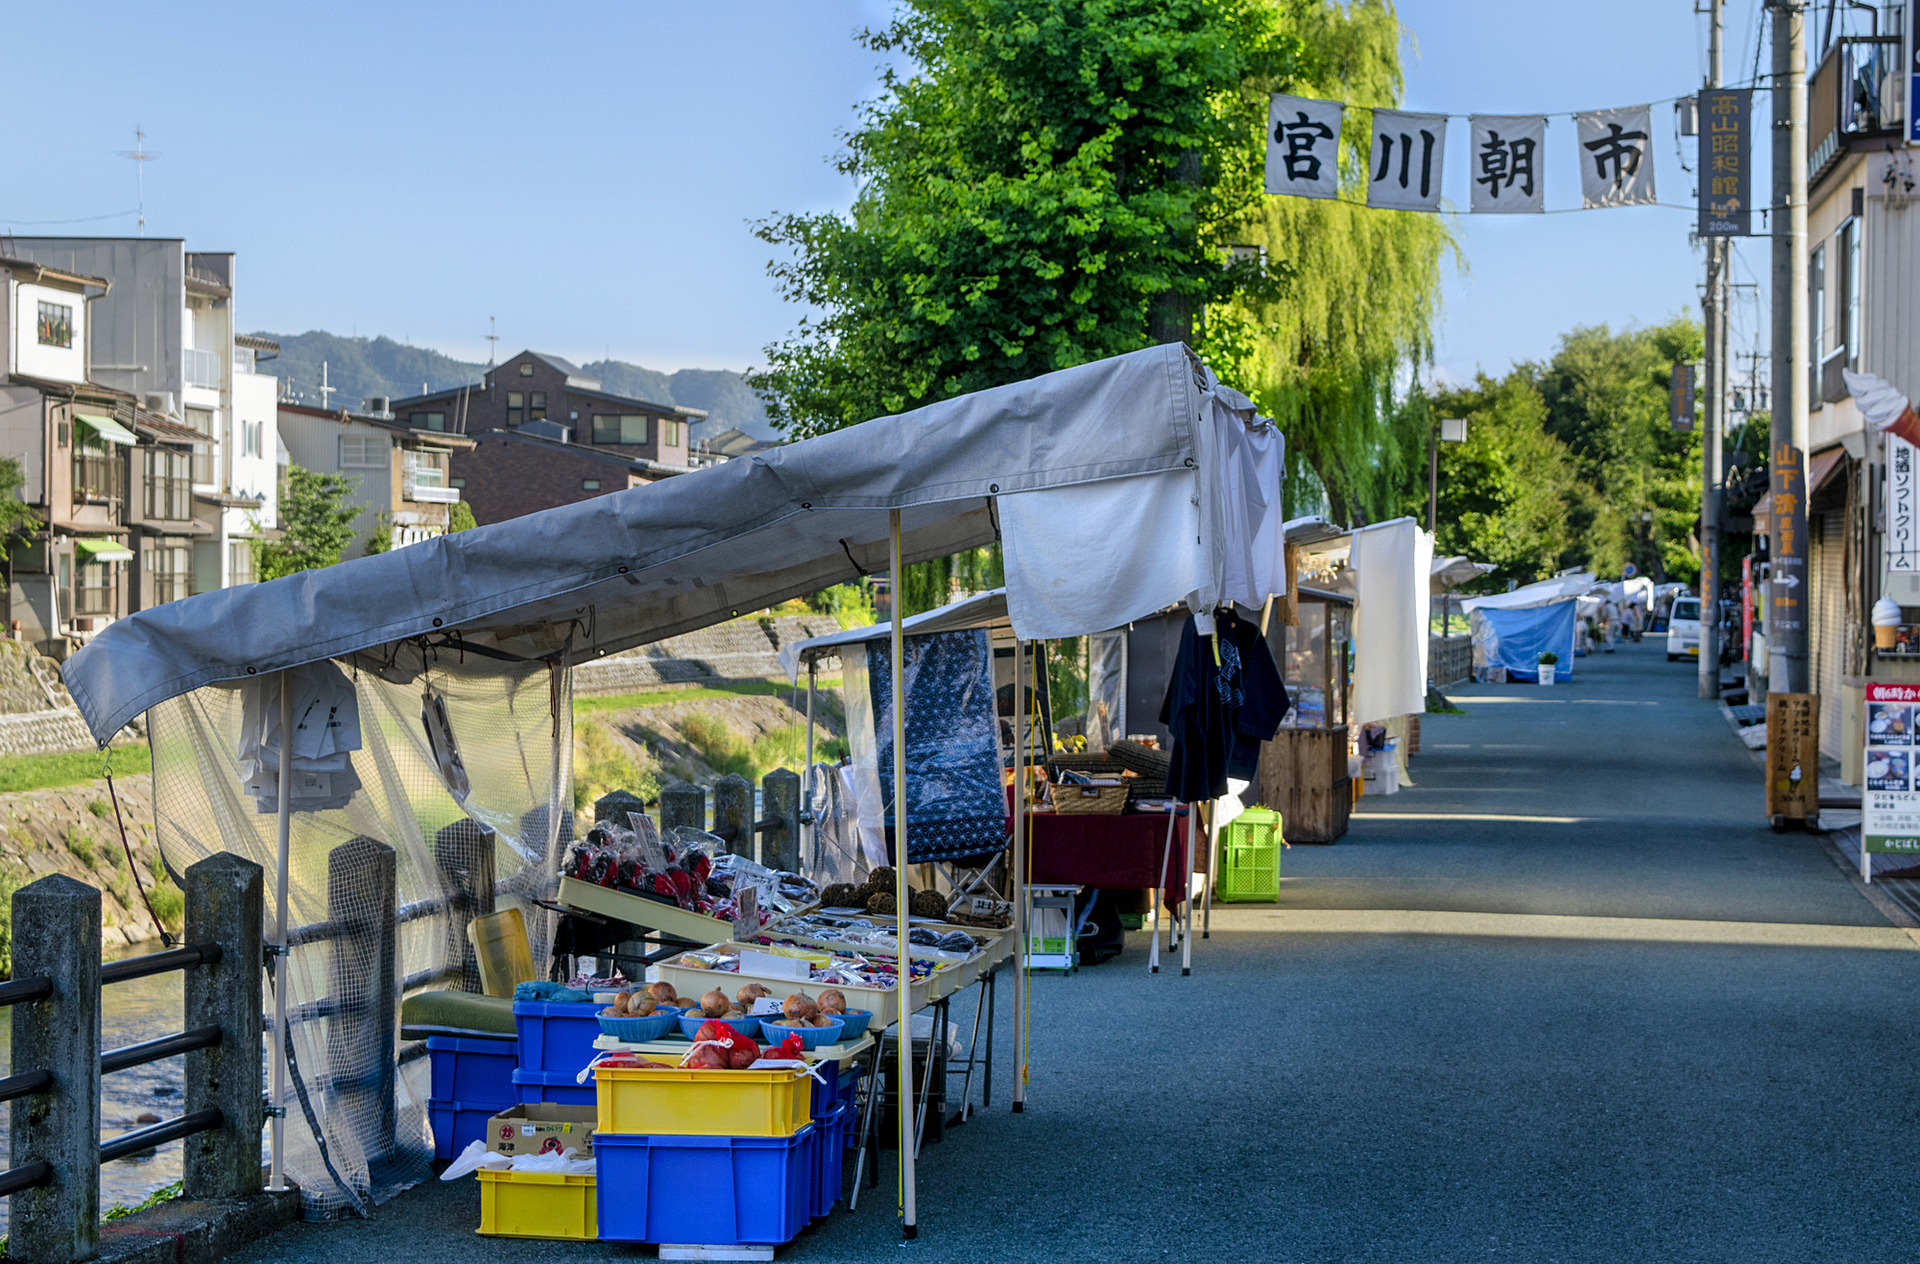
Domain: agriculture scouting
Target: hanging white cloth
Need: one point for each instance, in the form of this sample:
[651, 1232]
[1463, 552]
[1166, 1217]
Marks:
[326, 726]
[1215, 537]
[1392, 563]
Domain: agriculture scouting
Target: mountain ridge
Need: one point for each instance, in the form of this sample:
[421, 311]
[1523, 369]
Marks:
[359, 368]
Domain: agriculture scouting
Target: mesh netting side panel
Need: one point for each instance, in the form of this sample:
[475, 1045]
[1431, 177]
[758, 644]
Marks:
[370, 886]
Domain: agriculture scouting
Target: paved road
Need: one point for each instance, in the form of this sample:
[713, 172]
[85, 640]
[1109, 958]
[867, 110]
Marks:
[1654, 1031]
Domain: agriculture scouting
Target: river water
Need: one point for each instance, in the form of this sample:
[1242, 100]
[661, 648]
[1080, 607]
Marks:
[141, 1009]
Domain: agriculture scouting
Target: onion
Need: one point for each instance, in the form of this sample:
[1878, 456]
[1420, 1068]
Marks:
[752, 992]
[661, 992]
[833, 1001]
[799, 1007]
[714, 1003]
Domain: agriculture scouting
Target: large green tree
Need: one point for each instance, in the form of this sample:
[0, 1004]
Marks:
[1042, 173]
[316, 524]
[1571, 462]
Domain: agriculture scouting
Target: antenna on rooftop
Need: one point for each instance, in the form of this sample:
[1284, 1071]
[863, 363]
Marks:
[140, 157]
[325, 390]
[493, 338]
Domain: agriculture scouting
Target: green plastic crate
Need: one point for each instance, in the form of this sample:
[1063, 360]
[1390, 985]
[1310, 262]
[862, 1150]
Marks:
[1250, 848]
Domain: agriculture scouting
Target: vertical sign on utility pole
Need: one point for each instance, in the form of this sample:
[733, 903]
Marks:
[1680, 398]
[1726, 178]
[1787, 606]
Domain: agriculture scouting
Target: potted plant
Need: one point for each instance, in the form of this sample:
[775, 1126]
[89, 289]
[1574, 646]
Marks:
[1548, 667]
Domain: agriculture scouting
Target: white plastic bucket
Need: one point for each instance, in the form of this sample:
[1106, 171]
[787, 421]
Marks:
[1547, 672]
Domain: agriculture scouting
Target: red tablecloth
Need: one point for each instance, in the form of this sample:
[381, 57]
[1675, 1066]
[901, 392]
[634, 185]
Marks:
[1109, 851]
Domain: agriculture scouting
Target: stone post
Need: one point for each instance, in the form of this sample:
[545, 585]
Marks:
[364, 986]
[226, 906]
[617, 806]
[780, 805]
[683, 803]
[56, 933]
[464, 854]
[733, 813]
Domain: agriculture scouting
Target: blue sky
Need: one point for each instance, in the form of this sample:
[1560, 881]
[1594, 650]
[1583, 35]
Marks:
[586, 173]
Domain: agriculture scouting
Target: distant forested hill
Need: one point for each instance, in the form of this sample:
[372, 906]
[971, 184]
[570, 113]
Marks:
[359, 368]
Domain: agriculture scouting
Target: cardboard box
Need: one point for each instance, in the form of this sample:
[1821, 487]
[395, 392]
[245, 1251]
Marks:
[540, 1127]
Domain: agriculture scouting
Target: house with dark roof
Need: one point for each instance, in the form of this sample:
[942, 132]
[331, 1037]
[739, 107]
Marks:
[549, 397]
[508, 473]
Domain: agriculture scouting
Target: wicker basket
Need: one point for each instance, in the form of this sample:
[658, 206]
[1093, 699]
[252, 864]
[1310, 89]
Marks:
[1089, 800]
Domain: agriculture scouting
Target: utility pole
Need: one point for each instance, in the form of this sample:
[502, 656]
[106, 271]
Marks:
[1715, 419]
[1787, 599]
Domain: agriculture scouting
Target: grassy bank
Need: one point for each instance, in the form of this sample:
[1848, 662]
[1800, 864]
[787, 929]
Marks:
[704, 693]
[69, 768]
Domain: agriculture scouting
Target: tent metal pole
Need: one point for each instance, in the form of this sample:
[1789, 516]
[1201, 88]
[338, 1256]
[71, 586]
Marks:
[903, 964]
[1021, 928]
[1213, 857]
[810, 834]
[278, 1179]
[1186, 894]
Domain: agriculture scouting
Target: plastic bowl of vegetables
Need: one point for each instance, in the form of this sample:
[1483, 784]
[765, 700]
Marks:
[811, 1038]
[691, 1022]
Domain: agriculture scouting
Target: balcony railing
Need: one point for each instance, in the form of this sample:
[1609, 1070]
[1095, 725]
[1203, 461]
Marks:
[202, 368]
[243, 359]
[429, 495]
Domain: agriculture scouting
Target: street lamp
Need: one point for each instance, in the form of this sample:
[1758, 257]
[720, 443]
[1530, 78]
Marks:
[1445, 430]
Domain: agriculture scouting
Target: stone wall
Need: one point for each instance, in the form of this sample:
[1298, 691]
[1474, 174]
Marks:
[744, 649]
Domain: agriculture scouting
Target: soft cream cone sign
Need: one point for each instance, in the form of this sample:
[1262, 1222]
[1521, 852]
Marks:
[1884, 408]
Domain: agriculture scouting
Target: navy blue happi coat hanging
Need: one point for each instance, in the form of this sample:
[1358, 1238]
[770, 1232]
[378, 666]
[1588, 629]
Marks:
[956, 806]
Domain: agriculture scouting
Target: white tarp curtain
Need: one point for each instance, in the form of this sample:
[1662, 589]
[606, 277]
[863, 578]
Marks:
[1391, 563]
[1219, 539]
[1547, 591]
[650, 562]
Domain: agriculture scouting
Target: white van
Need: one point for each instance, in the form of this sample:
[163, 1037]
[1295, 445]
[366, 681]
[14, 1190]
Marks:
[1683, 629]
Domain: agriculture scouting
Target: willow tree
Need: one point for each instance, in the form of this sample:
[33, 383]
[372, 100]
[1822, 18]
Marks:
[1362, 296]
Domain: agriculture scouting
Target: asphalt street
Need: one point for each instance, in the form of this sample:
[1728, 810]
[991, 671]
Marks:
[1567, 999]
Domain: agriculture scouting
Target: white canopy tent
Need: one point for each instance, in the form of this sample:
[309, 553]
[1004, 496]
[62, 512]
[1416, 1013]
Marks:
[1543, 593]
[1115, 488]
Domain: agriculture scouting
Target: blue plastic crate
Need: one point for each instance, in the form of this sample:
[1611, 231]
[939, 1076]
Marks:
[554, 1086]
[456, 1125]
[829, 1158]
[471, 1070]
[556, 1035]
[836, 1087]
[705, 1190]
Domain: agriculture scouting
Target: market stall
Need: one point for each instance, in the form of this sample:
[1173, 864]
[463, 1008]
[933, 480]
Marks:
[1512, 629]
[1123, 849]
[341, 725]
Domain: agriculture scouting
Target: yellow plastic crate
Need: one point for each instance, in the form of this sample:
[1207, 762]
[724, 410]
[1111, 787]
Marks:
[679, 1102]
[537, 1205]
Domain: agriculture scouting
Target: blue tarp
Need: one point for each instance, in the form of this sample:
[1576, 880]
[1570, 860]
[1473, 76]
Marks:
[1519, 637]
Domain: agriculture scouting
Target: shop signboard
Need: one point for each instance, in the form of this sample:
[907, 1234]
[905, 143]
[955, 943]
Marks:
[1890, 797]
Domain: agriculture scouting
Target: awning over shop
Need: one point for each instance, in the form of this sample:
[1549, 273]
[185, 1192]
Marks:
[107, 428]
[104, 550]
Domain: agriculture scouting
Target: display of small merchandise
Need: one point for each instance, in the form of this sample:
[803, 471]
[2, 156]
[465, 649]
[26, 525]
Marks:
[1549, 667]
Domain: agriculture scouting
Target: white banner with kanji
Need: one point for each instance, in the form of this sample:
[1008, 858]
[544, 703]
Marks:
[1403, 169]
[1506, 164]
[1616, 156]
[1303, 147]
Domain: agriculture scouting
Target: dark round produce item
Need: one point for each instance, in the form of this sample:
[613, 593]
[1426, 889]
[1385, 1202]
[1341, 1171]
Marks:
[842, 895]
[927, 904]
[881, 902]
